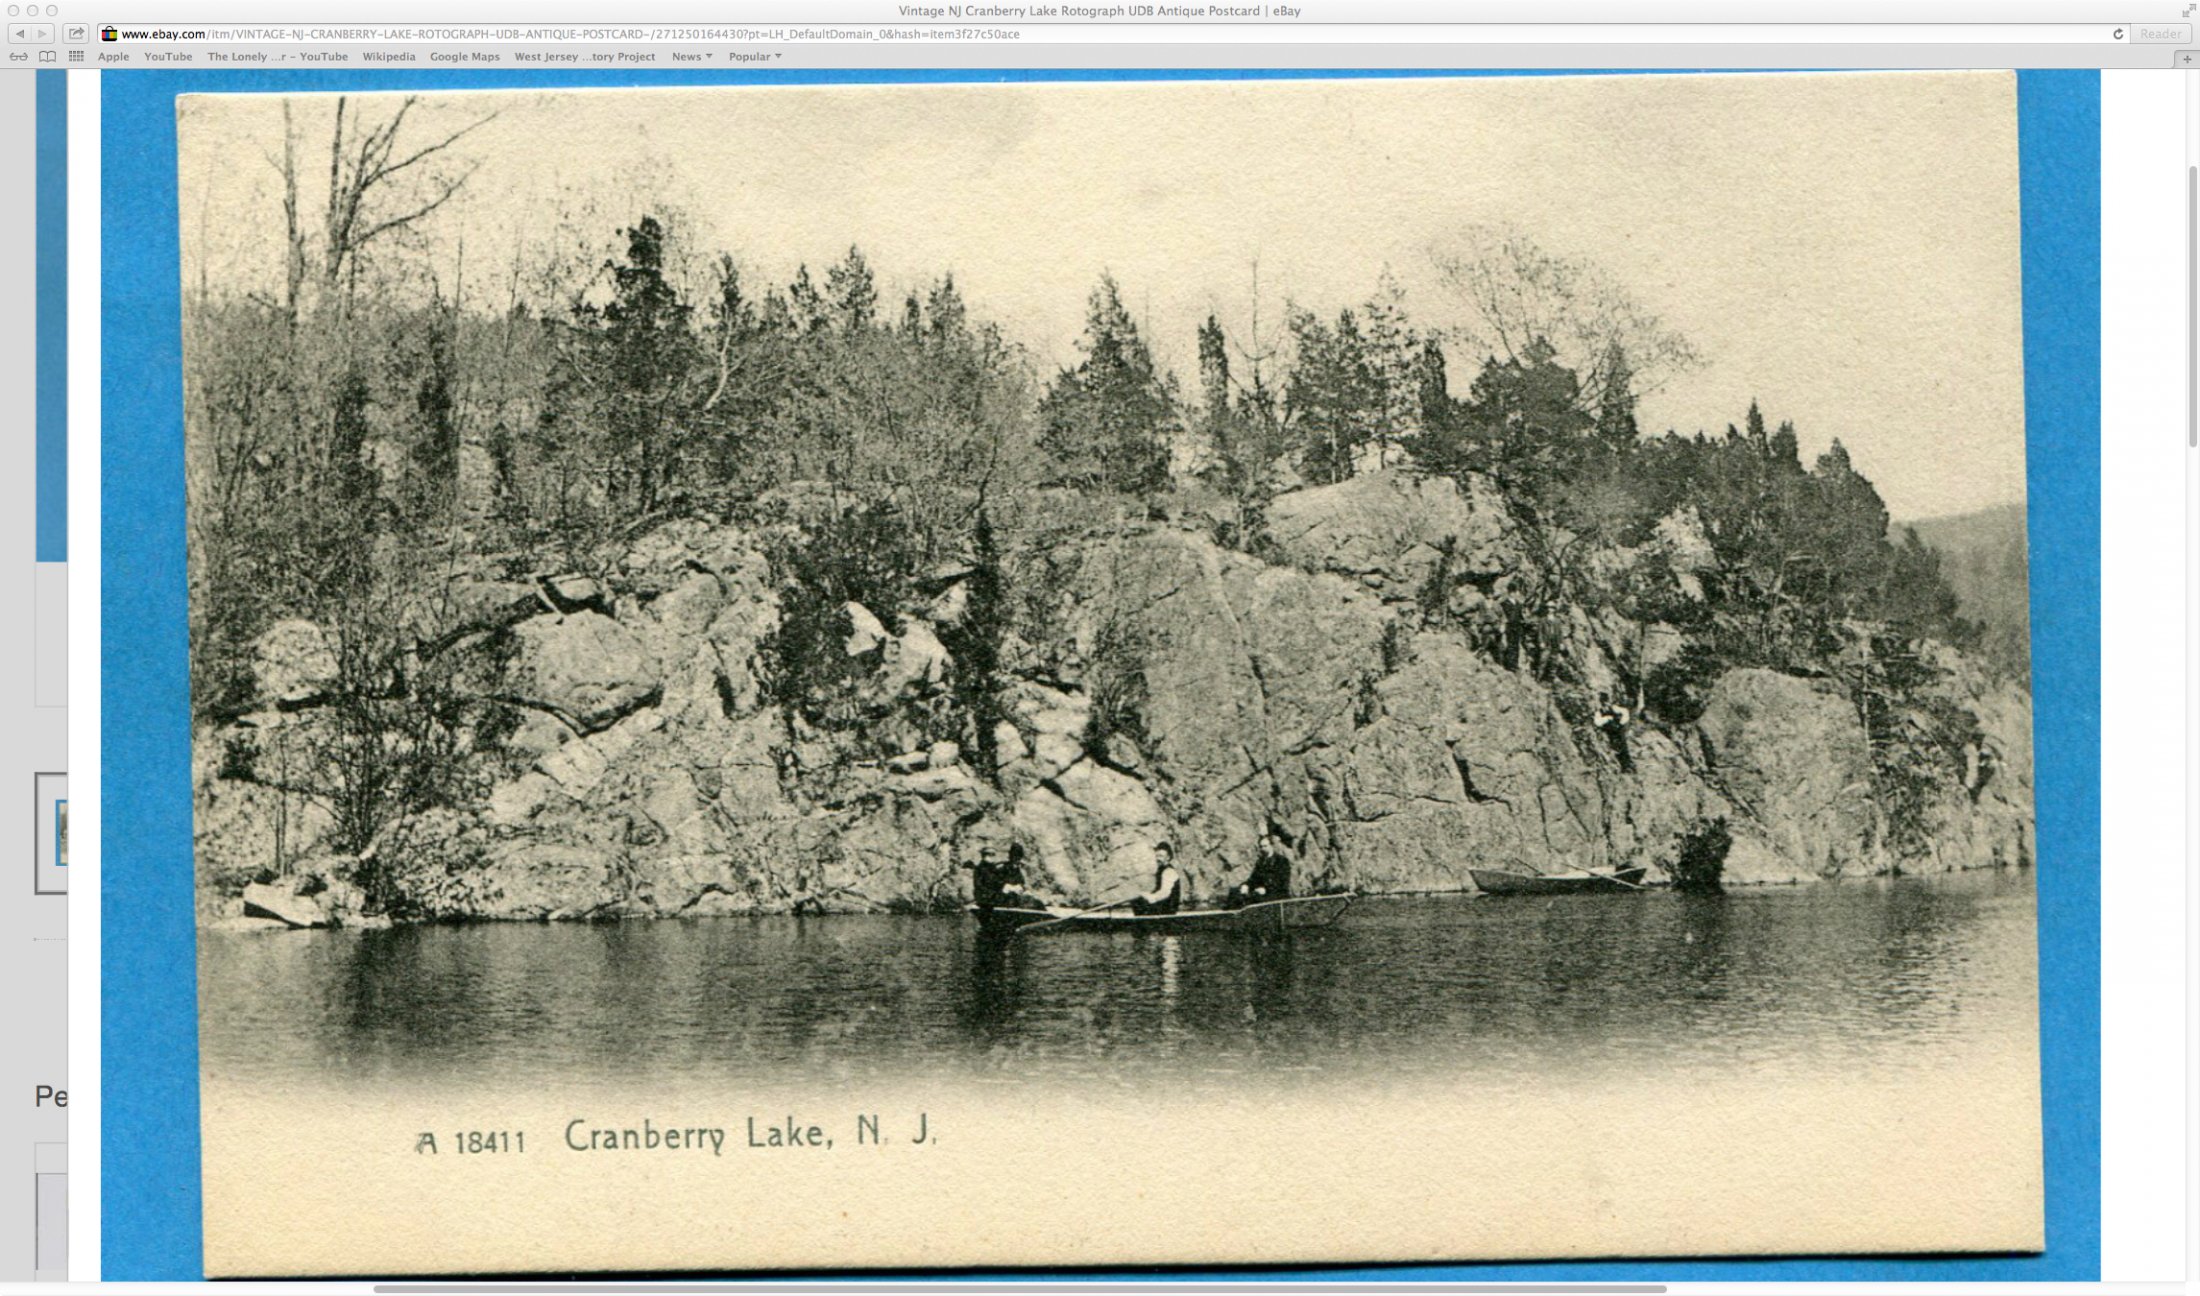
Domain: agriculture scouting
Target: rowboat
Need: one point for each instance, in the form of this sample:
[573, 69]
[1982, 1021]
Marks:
[1289, 914]
[1509, 882]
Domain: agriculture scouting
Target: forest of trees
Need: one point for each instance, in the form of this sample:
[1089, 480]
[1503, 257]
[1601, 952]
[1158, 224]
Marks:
[378, 430]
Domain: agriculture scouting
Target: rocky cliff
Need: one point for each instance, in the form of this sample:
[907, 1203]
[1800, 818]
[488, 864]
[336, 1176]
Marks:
[1183, 690]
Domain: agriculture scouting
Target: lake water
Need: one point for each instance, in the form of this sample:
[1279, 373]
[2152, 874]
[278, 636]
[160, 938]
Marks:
[1802, 980]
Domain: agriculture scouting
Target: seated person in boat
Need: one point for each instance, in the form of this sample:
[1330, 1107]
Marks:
[999, 883]
[1167, 895]
[1271, 875]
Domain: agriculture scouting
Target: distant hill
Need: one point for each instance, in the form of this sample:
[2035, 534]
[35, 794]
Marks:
[1983, 556]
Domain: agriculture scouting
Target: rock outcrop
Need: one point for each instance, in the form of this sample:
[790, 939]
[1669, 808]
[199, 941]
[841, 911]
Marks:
[1181, 691]
[586, 669]
[1388, 530]
[1791, 755]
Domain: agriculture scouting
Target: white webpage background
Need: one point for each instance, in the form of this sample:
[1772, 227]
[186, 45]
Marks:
[2150, 909]
[2147, 918]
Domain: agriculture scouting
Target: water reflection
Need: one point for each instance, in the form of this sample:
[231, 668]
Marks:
[992, 986]
[1791, 978]
[1702, 963]
[1270, 963]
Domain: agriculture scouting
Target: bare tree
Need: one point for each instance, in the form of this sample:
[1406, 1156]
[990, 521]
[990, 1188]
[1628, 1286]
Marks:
[366, 197]
[1516, 292]
[379, 184]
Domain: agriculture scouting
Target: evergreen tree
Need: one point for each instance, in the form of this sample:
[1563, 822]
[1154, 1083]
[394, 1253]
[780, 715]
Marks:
[1334, 395]
[805, 304]
[1244, 431]
[1214, 371]
[1615, 412]
[974, 642]
[776, 314]
[1104, 424]
[350, 484]
[731, 312]
[646, 351]
[1843, 530]
[1526, 413]
[1393, 353]
[1432, 386]
[944, 313]
[852, 293]
[435, 402]
[1914, 594]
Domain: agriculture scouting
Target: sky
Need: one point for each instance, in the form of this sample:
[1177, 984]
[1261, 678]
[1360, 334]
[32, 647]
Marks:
[1841, 247]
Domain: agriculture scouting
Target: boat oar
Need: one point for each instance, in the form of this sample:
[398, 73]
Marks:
[1086, 913]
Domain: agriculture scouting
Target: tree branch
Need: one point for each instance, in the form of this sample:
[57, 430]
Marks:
[450, 190]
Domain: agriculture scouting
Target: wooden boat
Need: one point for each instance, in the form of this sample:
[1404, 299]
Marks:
[1511, 882]
[1289, 914]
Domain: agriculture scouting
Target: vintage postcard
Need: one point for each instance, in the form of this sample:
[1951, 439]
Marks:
[1110, 674]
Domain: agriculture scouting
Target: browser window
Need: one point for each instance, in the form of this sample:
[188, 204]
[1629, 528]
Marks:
[1425, 643]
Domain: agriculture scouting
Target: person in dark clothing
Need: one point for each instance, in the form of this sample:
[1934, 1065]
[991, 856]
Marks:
[997, 883]
[1167, 895]
[1613, 718]
[1271, 875]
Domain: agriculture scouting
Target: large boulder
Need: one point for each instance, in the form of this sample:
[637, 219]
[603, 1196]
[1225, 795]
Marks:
[1234, 672]
[1792, 756]
[284, 904]
[1464, 764]
[244, 826]
[1084, 853]
[293, 662]
[701, 598]
[905, 666]
[1387, 530]
[578, 764]
[1662, 801]
[1982, 816]
[585, 668]
[531, 878]
[667, 555]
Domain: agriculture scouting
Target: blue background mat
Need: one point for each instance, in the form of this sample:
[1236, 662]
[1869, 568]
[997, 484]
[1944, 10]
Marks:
[149, 1033]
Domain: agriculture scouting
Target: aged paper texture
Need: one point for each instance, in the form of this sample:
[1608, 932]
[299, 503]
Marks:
[1110, 674]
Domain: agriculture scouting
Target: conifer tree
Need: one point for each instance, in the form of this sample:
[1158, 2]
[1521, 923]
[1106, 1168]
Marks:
[851, 293]
[974, 642]
[1104, 424]
[1334, 395]
[805, 304]
[1393, 354]
[1615, 411]
[944, 312]
[633, 365]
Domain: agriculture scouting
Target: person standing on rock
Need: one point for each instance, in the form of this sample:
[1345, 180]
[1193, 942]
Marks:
[1167, 895]
[1271, 875]
[1613, 718]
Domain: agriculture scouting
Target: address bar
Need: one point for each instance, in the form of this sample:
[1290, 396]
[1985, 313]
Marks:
[1086, 20]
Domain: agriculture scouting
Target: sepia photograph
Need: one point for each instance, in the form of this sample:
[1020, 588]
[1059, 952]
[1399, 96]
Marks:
[1110, 673]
